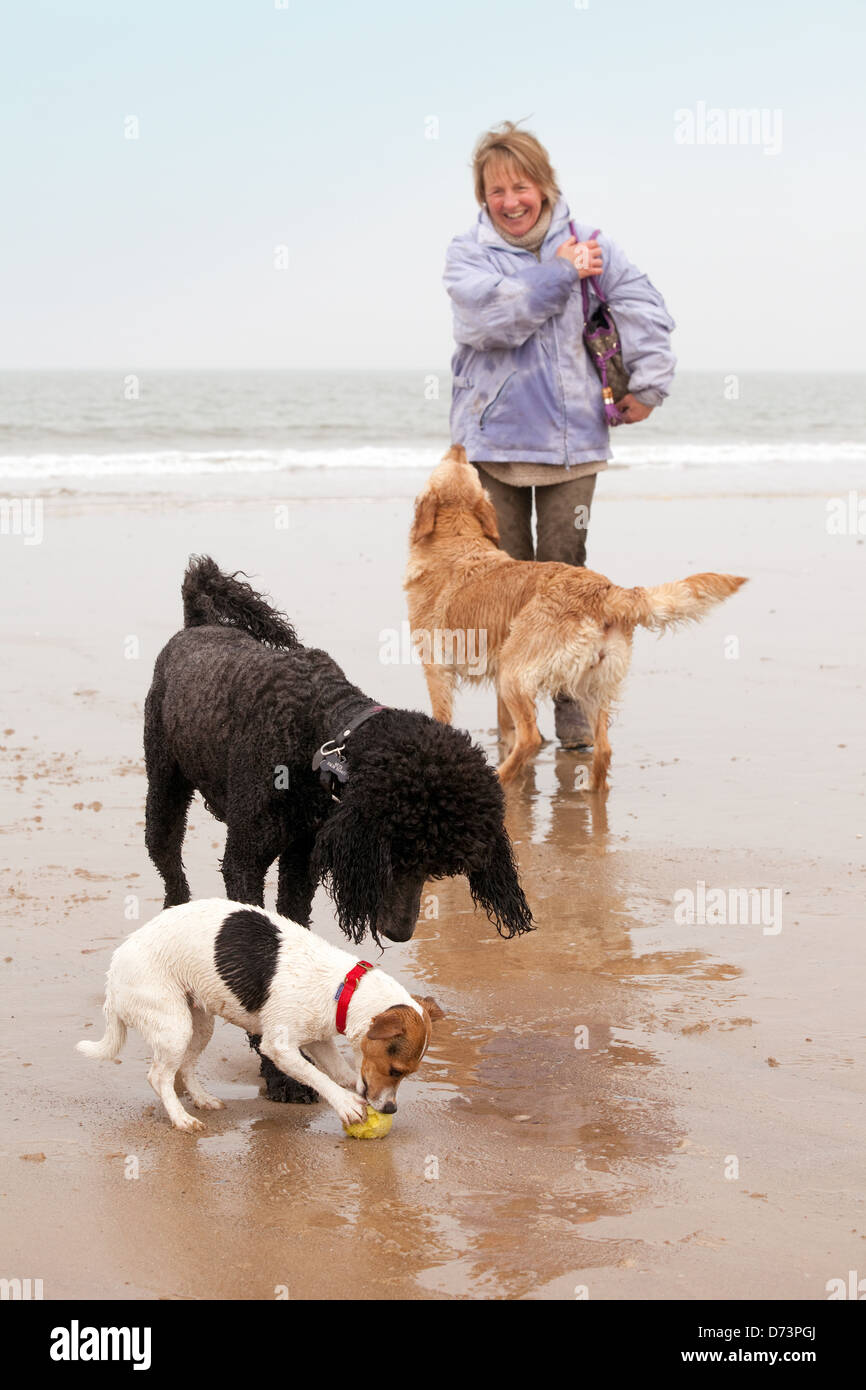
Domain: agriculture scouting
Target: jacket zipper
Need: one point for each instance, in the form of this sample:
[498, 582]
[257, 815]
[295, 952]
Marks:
[561, 395]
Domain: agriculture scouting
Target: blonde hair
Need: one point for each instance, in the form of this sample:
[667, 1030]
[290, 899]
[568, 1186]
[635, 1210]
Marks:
[506, 142]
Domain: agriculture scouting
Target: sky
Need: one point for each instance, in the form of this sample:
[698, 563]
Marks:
[266, 124]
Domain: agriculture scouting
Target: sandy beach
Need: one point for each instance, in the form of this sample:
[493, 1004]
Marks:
[619, 1105]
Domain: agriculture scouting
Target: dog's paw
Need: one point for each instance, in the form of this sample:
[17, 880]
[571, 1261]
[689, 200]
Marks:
[190, 1125]
[206, 1102]
[352, 1109]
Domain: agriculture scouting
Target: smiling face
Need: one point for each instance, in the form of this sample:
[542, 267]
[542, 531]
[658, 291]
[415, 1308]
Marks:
[392, 1048]
[513, 200]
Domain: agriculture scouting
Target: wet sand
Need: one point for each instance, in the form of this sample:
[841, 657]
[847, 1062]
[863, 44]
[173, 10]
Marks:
[707, 1140]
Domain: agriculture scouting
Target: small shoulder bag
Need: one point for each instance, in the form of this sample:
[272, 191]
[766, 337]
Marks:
[601, 339]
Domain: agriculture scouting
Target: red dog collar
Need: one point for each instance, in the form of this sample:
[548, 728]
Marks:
[347, 988]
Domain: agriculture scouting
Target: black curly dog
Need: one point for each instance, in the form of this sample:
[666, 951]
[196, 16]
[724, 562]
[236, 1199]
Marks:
[237, 709]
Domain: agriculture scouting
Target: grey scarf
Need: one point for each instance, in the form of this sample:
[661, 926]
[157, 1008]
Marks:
[531, 240]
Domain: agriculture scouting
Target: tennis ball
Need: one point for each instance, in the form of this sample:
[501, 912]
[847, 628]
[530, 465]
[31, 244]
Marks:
[376, 1125]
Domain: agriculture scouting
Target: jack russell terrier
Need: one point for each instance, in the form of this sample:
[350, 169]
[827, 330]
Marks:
[271, 977]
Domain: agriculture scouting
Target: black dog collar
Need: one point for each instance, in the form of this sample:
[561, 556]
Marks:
[329, 761]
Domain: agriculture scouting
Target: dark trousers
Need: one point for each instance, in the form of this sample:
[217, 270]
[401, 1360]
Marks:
[561, 515]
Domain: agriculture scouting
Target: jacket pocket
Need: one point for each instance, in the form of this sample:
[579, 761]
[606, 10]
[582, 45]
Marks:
[525, 414]
[494, 399]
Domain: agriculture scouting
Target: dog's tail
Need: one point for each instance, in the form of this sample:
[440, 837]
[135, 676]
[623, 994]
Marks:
[111, 1044]
[211, 597]
[666, 605]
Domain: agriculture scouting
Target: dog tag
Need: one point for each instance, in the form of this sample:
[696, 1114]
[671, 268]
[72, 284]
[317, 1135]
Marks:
[329, 766]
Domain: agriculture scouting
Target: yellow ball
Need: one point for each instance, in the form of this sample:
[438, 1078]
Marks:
[376, 1125]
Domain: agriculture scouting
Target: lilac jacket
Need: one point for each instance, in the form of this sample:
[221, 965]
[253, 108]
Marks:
[523, 386]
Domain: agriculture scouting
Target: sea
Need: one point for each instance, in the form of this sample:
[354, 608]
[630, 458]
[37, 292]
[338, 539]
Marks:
[238, 433]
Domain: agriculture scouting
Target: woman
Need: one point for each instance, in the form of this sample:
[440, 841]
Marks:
[527, 404]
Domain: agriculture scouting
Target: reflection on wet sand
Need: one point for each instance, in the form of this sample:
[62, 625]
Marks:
[566, 1087]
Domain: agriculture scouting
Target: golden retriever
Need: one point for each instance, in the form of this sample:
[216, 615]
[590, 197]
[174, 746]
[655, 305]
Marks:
[531, 628]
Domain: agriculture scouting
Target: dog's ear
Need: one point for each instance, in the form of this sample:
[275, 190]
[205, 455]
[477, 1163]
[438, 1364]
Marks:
[486, 514]
[495, 887]
[353, 858]
[386, 1025]
[426, 508]
[434, 1013]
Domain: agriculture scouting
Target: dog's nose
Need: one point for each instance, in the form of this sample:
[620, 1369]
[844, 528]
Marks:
[400, 931]
[389, 1108]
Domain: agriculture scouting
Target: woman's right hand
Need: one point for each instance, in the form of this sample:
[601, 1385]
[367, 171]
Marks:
[585, 256]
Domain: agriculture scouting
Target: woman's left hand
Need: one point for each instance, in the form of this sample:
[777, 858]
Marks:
[633, 410]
